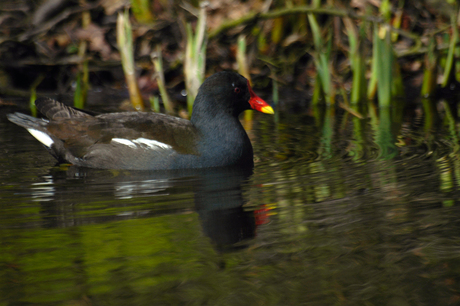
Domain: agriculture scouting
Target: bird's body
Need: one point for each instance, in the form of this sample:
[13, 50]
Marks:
[213, 137]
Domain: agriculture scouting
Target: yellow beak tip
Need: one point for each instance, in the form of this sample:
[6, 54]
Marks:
[267, 110]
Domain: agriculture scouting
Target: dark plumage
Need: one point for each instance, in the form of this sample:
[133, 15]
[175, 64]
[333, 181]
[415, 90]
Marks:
[213, 137]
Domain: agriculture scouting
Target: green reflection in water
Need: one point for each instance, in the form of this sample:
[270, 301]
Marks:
[49, 265]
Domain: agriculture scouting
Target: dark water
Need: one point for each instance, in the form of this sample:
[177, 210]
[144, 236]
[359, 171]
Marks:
[336, 212]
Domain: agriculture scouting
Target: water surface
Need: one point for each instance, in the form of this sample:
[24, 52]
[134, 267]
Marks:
[335, 212]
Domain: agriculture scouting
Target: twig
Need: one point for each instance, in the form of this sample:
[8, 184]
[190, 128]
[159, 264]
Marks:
[52, 22]
[350, 110]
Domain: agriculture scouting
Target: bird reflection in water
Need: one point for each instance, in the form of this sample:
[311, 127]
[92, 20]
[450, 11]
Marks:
[217, 192]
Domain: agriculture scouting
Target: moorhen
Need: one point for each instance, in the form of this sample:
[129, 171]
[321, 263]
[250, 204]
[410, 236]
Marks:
[213, 137]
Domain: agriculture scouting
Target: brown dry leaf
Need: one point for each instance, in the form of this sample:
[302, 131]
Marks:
[221, 10]
[361, 4]
[62, 40]
[293, 38]
[111, 6]
[95, 36]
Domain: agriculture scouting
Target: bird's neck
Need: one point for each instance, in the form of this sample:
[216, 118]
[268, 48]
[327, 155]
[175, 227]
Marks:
[221, 135]
[219, 126]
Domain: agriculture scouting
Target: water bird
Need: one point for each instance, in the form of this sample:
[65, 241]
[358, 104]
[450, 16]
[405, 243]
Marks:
[213, 137]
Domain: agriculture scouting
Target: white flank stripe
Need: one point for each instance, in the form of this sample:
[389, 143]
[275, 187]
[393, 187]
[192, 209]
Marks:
[126, 142]
[152, 143]
[142, 142]
[42, 137]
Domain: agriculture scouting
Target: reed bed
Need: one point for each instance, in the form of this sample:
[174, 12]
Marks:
[327, 49]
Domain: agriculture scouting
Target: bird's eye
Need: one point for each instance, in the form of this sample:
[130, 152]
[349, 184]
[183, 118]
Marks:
[237, 90]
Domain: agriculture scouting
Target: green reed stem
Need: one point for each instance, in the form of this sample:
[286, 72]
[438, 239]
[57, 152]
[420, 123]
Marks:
[33, 94]
[322, 60]
[157, 60]
[429, 74]
[384, 57]
[195, 57]
[357, 63]
[243, 66]
[82, 79]
[155, 103]
[452, 50]
[126, 48]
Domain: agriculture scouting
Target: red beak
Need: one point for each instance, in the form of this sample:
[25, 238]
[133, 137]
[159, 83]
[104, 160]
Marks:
[258, 104]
